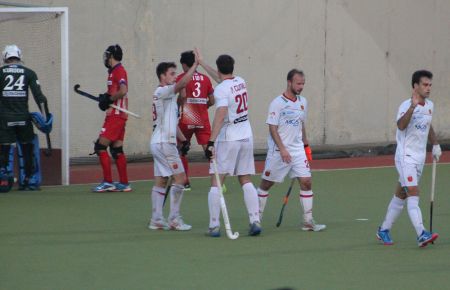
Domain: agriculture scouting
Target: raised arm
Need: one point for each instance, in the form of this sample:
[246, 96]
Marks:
[404, 120]
[212, 72]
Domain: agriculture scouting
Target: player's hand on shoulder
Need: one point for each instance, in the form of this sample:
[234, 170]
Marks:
[209, 151]
[104, 100]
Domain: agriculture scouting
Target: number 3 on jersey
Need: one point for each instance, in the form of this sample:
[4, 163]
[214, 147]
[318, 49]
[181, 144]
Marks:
[241, 100]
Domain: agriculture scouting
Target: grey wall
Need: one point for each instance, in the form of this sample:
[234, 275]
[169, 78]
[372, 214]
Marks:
[358, 56]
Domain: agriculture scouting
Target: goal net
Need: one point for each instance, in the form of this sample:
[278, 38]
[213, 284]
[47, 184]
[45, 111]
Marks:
[41, 34]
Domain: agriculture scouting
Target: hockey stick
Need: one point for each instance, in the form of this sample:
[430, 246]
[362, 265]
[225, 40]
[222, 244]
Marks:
[48, 151]
[433, 182]
[223, 206]
[168, 186]
[285, 201]
[76, 88]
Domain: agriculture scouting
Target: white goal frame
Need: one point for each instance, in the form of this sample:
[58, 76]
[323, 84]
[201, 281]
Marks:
[65, 133]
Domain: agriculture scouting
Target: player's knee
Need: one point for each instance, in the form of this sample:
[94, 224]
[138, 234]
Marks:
[99, 147]
[116, 151]
[305, 183]
[265, 184]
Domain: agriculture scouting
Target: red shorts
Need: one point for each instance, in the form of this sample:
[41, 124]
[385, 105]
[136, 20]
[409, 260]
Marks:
[202, 133]
[113, 128]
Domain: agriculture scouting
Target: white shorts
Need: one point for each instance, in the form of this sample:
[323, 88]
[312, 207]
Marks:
[276, 170]
[166, 159]
[408, 173]
[234, 157]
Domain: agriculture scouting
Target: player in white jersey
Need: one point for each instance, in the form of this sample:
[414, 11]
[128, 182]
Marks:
[163, 146]
[231, 142]
[413, 130]
[289, 151]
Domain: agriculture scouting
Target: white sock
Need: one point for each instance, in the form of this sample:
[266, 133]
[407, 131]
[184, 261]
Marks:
[214, 207]
[306, 200]
[262, 198]
[415, 214]
[251, 202]
[176, 195]
[158, 194]
[393, 212]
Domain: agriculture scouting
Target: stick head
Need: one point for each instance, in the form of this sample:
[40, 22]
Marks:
[232, 236]
[76, 87]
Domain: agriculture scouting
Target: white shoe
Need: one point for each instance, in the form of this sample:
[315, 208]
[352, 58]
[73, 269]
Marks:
[177, 224]
[312, 226]
[158, 224]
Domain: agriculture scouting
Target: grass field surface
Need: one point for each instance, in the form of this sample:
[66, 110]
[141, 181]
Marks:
[69, 238]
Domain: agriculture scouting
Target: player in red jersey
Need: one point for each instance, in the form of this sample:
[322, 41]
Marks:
[194, 102]
[113, 130]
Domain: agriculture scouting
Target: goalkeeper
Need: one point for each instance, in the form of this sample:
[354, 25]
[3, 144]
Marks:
[15, 119]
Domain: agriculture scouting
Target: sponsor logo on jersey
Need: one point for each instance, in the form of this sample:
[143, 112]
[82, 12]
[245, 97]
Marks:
[293, 122]
[241, 119]
[201, 101]
[421, 127]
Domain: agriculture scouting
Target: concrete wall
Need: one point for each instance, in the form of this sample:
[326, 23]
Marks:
[358, 56]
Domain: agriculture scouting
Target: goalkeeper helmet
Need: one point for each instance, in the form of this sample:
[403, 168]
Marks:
[45, 126]
[114, 51]
[11, 51]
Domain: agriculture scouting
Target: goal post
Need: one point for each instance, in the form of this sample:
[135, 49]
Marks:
[42, 33]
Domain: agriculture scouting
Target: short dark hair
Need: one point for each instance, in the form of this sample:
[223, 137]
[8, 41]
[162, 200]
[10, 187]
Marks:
[294, 72]
[225, 64]
[163, 67]
[418, 75]
[187, 58]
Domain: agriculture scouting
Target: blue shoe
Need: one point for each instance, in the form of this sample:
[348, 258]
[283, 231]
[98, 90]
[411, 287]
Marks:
[255, 229]
[426, 238]
[213, 232]
[103, 187]
[385, 237]
[121, 187]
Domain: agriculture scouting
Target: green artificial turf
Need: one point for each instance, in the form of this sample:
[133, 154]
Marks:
[69, 238]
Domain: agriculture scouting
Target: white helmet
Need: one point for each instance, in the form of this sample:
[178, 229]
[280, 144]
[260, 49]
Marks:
[11, 51]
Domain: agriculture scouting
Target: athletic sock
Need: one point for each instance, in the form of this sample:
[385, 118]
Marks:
[121, 163]
[184, 160]
[214, 207]
[176, 195]
[158, 194]
[262, 198]
[306, 200]
[105, 161]
[251, 202]
[393, 212]
[415, 214]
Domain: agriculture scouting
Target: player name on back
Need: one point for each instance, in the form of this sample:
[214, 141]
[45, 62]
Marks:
[14, 70]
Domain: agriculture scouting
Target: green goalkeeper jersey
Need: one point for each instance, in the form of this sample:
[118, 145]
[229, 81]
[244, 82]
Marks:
[15, 82]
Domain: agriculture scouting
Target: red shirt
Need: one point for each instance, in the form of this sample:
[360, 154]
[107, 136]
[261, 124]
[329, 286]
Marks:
[195, 106]
[116, 77]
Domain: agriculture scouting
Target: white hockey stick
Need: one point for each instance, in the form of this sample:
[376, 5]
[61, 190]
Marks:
[125, 111]
[223, 206]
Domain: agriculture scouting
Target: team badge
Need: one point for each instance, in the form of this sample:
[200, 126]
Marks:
[175, 166]
[410, 178]
[267, 173]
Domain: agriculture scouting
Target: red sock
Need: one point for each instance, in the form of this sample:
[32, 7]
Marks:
[184, 160]
[121, 163]
[105, 161]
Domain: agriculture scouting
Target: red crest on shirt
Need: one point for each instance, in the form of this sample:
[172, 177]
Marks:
[175, 166]
[410, 178]
[267, 173]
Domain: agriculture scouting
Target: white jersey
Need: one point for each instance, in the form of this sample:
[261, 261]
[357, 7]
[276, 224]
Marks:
[232, 93]
[165, 115]
[412, 141]
[289, 116]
